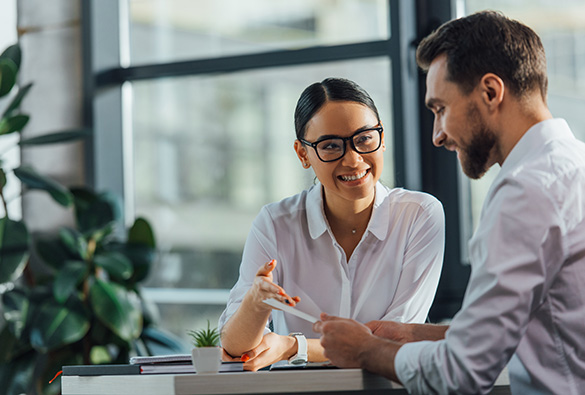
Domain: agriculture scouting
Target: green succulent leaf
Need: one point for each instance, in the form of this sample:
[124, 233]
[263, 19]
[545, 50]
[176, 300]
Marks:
[14, 249]
[59, 137]
[116, 264]
[74, 241]
[117, 308]
[141, 233]
[13, 124]
[56, 325]
[67, 279]
[13, 53]
[32, 179]
[15, 306]
[205, 337]
[22, 92]
[8, 71]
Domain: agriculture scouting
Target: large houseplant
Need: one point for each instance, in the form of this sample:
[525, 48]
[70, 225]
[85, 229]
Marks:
[77, 301]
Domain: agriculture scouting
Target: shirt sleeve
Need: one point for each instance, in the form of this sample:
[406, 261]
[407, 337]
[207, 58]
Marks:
[260, 247]
[421, 269]
[514, 253]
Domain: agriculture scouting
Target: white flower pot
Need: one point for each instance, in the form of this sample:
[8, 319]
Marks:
[206, 359]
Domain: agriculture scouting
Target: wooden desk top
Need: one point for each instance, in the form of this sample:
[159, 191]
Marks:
[349, 381]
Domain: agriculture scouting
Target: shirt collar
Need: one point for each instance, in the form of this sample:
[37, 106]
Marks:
[316, 214]
[534, 138]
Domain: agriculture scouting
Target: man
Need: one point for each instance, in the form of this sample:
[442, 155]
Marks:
[525, 301]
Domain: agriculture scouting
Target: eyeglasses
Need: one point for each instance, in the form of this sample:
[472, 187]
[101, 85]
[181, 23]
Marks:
[331, 149]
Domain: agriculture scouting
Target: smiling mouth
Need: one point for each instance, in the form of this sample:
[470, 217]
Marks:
[354, 177]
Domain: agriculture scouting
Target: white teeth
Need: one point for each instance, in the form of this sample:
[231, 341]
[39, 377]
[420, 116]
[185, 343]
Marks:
[353, 178]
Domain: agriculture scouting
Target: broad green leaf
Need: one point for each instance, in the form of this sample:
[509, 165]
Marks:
[68, 278]
[2, 178]
[57, 325]
[59, 137]
[14, 53]
[14, 249]
[17, 376]
[141, 256]
[99, 355]
[117, 308]
[141, 233]
[8, 71]
[74, 241]
[34, 180]
[22, 92]
[94, 212]
[116, 264]
[13, 124]
[53, 251]
[15, 310]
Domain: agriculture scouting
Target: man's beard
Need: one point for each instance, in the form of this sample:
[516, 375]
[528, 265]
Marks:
[474, 156]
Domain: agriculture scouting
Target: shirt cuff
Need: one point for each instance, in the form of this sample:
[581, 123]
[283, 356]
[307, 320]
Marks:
[407, 365]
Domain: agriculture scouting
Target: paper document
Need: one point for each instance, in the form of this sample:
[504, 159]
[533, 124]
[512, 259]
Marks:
[290, 309]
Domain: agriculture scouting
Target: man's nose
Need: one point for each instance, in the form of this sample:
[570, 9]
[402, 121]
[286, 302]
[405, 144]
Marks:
[439, 136]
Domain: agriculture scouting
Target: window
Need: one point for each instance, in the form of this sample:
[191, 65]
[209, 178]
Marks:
[207, 100]
[561, 28]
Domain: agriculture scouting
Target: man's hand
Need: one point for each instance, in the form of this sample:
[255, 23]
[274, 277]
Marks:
[272, 348]
[391, 330]
[342, 339]
[349, 344]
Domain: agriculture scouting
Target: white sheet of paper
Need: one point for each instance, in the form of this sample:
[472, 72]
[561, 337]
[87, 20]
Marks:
[290, 309]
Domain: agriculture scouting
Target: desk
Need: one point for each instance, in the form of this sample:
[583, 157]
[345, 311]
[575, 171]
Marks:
[346, 381]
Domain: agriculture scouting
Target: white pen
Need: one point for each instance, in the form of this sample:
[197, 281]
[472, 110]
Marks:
[290, 309]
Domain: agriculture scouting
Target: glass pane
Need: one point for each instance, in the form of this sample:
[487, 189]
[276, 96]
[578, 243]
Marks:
[561, 26]
[210, 151]
[172, 30]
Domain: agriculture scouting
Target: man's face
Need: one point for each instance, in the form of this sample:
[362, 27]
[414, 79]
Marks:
[459, 124]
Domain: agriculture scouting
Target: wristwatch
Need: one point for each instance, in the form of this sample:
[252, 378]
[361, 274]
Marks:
[301, 356]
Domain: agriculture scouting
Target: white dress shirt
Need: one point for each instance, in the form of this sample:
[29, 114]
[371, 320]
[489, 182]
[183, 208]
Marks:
[392, 274]
[525, 301]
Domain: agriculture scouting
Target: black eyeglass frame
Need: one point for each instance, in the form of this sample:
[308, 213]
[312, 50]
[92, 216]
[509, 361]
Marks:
[379, 129]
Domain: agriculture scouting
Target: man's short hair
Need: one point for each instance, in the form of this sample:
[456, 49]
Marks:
[488, 42]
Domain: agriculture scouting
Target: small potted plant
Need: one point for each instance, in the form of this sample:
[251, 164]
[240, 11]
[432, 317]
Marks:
[206, 353]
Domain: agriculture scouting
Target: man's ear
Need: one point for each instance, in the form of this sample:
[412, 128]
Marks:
[302, 154]
[492, 90]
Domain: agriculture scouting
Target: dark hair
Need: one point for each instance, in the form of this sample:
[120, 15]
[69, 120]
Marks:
[488, 42]
[330, 89]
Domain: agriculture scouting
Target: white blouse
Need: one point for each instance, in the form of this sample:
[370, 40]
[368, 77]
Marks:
[391, 275]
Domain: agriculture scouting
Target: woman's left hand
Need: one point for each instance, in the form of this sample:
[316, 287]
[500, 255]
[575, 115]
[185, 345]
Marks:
[272, 348]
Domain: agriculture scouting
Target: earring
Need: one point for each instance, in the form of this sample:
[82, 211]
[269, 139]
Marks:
[306, 165]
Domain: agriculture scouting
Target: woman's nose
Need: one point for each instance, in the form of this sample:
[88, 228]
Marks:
[351, 156]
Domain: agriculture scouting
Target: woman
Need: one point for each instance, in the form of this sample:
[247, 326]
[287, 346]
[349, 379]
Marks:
[347, 246]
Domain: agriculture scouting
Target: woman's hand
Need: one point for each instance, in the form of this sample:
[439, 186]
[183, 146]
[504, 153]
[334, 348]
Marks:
[271, 349]
[264, 288]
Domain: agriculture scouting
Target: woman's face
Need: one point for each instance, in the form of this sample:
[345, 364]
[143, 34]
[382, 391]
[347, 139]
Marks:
[354, 176]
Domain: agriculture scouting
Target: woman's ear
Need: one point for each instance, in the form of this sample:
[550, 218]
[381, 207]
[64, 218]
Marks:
[301, 151]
